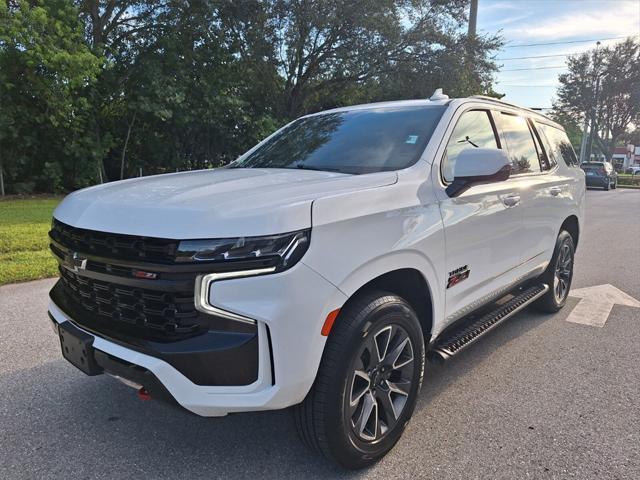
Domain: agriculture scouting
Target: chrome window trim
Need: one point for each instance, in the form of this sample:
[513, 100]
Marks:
[203, 286]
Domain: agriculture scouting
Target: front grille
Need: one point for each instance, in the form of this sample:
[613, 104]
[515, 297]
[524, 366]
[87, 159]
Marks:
[130, 290]
[114, 246]
[150, 313]
[110, 294]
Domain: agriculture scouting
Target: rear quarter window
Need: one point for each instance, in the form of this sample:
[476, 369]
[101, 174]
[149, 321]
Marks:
[559, 145]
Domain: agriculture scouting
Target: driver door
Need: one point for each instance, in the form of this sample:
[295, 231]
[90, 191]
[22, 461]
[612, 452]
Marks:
[482, 226]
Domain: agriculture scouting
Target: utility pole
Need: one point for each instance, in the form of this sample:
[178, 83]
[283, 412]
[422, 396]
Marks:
[587, 136]
[471, 39]
[473, 19]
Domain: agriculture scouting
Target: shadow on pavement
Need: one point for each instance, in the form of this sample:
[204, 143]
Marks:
[438, 378]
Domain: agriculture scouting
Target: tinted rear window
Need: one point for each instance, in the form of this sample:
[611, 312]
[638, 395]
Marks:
[591, 166]
[560, 145]
[356, 141]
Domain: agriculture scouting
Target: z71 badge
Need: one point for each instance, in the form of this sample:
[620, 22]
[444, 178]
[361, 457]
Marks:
[458, 275]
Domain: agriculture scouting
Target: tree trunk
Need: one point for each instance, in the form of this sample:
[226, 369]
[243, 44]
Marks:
[1, 178]
[607, 148]
[609, 153]
[126, 142]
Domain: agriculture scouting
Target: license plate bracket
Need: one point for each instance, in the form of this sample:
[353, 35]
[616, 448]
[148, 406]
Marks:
[77, 348]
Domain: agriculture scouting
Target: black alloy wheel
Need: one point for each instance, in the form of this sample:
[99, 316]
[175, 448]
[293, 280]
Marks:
[368, 381]
[558, 275]
[380, 383]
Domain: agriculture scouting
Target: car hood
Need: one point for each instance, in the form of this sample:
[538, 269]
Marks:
[215, 203]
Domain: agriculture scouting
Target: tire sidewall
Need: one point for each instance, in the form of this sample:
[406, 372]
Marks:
[344, 447]
[563, 238]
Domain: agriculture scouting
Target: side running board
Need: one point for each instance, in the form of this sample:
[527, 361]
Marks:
[457, 340]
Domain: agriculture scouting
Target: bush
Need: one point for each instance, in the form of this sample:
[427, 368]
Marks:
[629, 180]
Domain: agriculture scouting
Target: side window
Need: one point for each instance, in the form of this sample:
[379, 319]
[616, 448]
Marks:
[560, 147]
[519, 138]
[550, 159]
[473, 130]
[545, 162]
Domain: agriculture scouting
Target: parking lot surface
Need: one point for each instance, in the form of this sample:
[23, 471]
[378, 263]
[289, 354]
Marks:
[539, 397]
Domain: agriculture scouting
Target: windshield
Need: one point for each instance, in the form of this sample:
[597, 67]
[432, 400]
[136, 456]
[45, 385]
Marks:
[356, 141]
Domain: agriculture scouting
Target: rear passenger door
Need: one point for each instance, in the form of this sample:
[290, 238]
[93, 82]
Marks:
[564, 185]
[542, 187]
[482, 225]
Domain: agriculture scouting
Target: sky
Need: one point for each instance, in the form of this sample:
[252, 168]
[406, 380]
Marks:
[525, 22]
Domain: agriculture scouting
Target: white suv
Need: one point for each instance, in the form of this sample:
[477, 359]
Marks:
[322, 267]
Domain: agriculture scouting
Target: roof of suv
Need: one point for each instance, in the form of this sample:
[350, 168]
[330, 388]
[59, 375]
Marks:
[443, 101]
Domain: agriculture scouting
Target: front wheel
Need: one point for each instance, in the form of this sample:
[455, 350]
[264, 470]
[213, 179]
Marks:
[558, 275]
[367, 383]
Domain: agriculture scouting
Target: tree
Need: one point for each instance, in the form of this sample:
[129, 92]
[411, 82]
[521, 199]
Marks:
[632, 137]
[331, 51]
[161, 85]
[572, 128]
[617, 104]
[44, 70]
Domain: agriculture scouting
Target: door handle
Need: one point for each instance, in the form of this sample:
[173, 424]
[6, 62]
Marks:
[555, 191]
[511, 200]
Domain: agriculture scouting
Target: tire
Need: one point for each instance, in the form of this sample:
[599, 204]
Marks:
[345, 417]
[559, 285]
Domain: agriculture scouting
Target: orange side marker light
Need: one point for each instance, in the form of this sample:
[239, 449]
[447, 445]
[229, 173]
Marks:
[328, 323]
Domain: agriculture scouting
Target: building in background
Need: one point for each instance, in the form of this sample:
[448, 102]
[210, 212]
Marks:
[626, 157]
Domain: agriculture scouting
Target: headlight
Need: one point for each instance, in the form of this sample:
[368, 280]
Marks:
[280, 251]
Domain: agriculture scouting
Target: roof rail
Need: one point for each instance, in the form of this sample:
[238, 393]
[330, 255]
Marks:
[502, 102]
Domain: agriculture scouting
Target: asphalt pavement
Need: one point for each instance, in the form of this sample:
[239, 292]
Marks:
[539, 397]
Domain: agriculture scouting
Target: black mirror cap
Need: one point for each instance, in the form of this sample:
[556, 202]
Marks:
[462, 184]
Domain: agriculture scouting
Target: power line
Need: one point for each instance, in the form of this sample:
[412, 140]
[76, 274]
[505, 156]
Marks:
[566, 42]
[533, 68]
[536, 56]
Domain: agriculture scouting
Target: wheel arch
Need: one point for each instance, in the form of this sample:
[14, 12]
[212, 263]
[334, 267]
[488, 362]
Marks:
[409, 284]
[572, 225]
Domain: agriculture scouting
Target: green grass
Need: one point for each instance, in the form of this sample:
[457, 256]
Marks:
[631, 181]
[24, 245]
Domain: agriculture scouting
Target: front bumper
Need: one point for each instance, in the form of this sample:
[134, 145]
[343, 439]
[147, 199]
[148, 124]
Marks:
[236, 349]
[289, 308]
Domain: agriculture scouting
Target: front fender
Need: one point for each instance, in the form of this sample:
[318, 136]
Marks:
[359, 236]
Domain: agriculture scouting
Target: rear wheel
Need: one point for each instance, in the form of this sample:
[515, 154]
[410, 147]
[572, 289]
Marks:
[367, 383]
[558, 275]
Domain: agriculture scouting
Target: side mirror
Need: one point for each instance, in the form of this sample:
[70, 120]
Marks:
[475, 166]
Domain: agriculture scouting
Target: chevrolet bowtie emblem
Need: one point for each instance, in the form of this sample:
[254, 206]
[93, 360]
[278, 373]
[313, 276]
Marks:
[75, 262]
